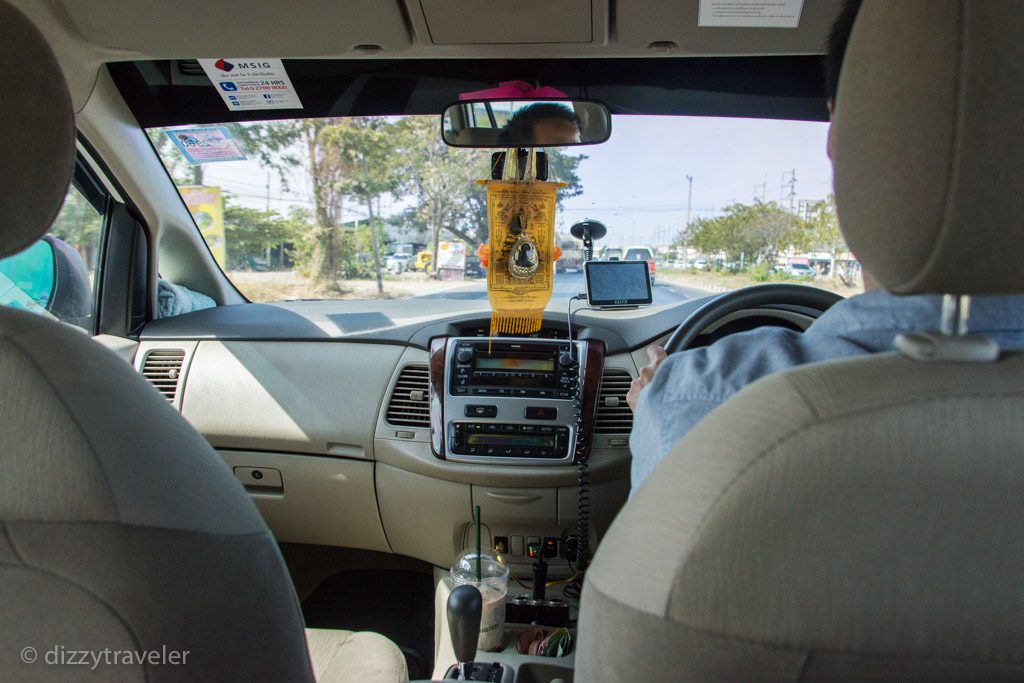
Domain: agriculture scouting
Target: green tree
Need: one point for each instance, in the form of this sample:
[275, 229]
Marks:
[823, 231]
[748, 233]
[371, 150]
[323, 165]
[251, 232]
[78, 224]
[440, 177]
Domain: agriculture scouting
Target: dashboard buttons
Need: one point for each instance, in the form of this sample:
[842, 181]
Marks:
[540, 413]
[481, 411]
[464, 355]
[509, 440]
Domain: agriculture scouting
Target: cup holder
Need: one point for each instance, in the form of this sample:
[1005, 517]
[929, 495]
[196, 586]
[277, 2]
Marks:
[540, 672]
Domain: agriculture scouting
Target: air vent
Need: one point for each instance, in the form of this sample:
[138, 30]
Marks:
[613, 413]
[410, 403]
[163, 370]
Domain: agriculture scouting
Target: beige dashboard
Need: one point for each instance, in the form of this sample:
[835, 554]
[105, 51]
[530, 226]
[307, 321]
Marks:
[332, 444]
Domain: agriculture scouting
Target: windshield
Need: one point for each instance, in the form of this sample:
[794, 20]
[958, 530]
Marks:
[379, 207]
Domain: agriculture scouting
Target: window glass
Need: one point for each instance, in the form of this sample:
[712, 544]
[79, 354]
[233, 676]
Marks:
[380, 208]
[54, 277]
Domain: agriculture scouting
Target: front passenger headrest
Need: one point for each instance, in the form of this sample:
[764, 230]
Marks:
[480, 136]
[37, 147]
[928, 145]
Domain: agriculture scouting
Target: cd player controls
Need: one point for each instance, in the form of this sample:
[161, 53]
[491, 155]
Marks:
[566, 360]
[464, 355]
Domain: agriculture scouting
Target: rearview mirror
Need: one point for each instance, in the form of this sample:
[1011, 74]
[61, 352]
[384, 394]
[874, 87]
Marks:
[525, 123]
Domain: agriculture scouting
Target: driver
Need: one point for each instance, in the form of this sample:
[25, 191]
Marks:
[544, 123]
[673, 393]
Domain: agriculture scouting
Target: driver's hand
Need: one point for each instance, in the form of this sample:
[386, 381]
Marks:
[657, 355]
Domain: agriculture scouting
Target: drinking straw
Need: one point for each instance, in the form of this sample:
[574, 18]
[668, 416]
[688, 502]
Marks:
[479, 570]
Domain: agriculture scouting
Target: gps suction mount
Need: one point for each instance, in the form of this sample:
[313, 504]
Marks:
[588, 230]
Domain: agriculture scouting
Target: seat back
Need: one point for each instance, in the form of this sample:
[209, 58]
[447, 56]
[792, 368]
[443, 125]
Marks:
[858, 518]
[853, 519]
[124, 535]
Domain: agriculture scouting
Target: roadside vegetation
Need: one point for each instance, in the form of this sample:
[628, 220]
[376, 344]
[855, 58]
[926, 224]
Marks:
[351, 164]
[755, 243]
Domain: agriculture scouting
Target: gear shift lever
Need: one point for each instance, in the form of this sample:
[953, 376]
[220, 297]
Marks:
[465, 606]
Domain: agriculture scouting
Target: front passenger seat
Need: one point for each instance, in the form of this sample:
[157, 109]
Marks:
[122, 530]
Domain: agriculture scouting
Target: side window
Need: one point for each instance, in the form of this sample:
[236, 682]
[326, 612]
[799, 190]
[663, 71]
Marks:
[55, 276]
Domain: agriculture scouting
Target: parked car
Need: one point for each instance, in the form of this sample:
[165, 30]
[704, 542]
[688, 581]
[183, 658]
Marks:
[641, 254]
[398, 263]
[800, 270]
[424, 261]
[473, 267]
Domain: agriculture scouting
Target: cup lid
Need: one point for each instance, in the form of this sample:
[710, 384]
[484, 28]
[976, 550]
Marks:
[492, 570]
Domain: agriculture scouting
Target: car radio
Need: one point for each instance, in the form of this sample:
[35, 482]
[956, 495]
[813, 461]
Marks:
[512, 400]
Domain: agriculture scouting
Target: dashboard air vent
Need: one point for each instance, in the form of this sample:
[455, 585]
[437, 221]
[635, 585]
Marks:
[613, 413]
[410, 403]
[163, 370]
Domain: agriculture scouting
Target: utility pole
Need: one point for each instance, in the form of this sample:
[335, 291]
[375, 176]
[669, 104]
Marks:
[686, 226]
[268, 211]
[764, 187]
[373, 229]
[791, 185]
[689, 202]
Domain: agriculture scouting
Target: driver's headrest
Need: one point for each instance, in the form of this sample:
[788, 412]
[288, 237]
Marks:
[37, 144]
[928, 145]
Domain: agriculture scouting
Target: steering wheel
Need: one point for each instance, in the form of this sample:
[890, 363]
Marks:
[742, 299]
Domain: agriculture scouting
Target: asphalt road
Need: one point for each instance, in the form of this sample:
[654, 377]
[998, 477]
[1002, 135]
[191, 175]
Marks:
[568, 285]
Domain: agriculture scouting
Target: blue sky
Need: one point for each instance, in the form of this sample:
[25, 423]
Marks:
[636, 182]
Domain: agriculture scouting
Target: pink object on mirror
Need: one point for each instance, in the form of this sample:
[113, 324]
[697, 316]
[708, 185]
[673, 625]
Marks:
[513, 90]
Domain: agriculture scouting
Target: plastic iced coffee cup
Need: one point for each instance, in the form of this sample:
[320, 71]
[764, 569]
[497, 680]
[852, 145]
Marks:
[493, 587]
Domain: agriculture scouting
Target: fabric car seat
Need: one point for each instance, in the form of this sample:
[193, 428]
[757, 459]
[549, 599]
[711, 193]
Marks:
[122, 530]
[859, 518]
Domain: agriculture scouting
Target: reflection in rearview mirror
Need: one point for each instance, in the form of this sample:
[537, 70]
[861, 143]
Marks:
[525, 123]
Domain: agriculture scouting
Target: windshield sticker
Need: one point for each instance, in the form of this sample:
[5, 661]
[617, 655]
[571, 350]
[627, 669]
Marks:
[206, 144]
[750, 13]
[247, 83]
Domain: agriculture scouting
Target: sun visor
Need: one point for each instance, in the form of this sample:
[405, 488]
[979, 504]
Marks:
[484, 22]
[193, 28]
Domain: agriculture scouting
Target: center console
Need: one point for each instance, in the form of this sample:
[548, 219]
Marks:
[512, 401]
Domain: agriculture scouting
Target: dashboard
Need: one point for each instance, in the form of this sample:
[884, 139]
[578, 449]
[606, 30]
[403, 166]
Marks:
[340, 418]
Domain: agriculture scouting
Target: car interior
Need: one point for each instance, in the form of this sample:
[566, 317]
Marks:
[279, 489]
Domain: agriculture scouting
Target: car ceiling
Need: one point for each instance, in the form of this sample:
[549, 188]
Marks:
[86, 34]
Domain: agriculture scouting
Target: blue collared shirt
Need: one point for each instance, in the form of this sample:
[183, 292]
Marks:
[690, 384]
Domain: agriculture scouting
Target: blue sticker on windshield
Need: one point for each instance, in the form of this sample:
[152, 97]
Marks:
[206, 144]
